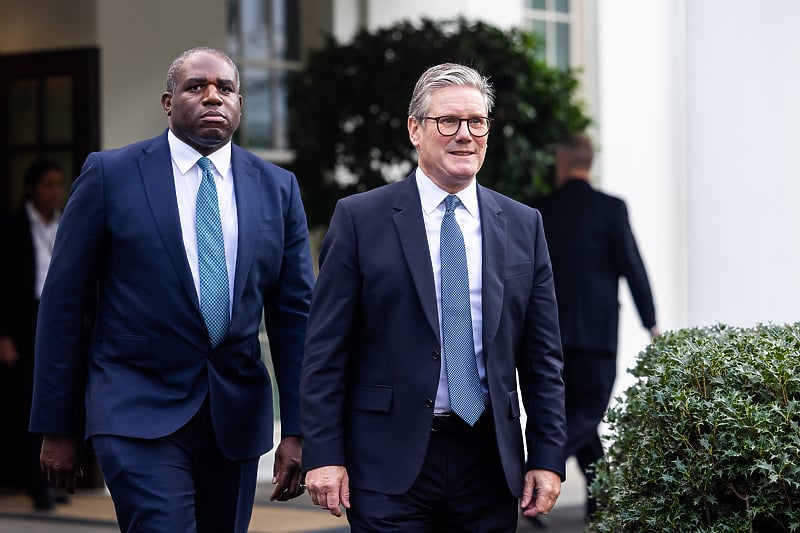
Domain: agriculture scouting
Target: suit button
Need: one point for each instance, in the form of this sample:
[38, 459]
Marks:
[435, 355]
[428, 402]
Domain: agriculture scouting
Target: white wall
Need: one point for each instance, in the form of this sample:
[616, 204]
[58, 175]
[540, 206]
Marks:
[744, 247]
[138, 42]
[380, 13]
[698, 132]
[642, 147]
[502, 13]
[38, 25]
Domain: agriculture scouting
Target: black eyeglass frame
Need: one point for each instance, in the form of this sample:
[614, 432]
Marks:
[460, 120]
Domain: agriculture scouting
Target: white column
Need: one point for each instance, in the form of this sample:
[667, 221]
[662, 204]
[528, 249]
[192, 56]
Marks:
[642, 151]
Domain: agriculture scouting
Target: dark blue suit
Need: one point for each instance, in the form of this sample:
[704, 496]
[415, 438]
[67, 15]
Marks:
[372, 355]
[151, 365]
[592, 247]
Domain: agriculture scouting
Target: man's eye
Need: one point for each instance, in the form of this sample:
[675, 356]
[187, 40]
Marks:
[448, 121]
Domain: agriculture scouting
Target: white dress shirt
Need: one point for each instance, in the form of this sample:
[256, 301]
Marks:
[468, 218]
[187, 175]
[44, 235]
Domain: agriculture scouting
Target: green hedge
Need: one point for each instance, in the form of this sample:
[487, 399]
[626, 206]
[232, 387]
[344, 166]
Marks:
[708, 437]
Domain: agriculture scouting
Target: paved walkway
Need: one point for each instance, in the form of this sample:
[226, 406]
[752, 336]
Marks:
[91, 511]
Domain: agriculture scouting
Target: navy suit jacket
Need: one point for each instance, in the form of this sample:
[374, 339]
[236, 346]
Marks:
[592, 247]
[150, 364]
[372, 359]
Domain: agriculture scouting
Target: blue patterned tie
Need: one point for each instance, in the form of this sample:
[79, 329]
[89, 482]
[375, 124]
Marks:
[466, 394]
[214, 294]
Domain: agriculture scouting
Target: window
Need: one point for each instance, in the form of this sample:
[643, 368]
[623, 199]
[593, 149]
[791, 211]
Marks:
[50, 109]
[552, 21]
[268, 40]
[264, 41]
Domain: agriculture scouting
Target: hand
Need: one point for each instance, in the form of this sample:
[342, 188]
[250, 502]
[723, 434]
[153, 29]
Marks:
[654, 332]
[8, 352]
[329, 487]
[540, 492]
[286, 471]
[59, 460]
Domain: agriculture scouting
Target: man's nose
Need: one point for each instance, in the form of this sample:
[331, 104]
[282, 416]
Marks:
[463, 131]
[212, 95]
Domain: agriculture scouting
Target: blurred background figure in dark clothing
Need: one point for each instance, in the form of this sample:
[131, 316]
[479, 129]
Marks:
[27, 243]
[591, 247]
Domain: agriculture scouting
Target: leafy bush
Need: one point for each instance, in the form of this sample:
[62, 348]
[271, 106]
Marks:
[708, 438]
[349, 106]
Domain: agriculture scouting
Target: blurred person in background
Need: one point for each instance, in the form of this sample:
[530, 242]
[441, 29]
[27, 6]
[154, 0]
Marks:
[27, 243]
[591, 246]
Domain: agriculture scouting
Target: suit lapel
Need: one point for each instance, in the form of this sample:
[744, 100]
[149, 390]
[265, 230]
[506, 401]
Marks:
[414, 242]
[155, 167]
[493, 232]
[245, 180]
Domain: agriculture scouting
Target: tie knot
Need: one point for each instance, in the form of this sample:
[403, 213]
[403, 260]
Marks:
[451, 202]
[204, 163]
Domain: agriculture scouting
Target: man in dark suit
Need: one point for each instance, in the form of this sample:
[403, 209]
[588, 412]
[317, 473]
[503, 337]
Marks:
[592, 246]
[27, 242]
[188, 252]
[407, 425]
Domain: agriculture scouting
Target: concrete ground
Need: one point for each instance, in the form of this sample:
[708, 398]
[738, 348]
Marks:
[91, 511]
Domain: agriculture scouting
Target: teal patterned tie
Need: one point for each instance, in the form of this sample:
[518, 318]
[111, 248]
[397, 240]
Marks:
[214, 294]
[466, 393]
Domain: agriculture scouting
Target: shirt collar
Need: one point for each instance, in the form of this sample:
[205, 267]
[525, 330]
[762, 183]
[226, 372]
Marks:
[432, 195]
[35, 216]
[185, 157]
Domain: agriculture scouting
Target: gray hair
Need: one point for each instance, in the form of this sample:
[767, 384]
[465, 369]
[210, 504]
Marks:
[444, 75]
[177, 65]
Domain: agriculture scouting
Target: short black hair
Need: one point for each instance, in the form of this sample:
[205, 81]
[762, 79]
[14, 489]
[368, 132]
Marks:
[37, 170]
[177, 65]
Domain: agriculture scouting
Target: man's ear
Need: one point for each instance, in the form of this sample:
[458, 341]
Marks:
[413, 131]
[166, 102]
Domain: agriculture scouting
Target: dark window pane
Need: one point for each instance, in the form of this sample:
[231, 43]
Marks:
[269, 30]
[234, 28]
[539, 27]
[58, 109]
[24, 116]
[264, 117]
[562, 6]
[292, 28]
[562, 45]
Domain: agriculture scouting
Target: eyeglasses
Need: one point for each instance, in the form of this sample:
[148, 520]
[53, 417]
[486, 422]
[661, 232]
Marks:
[449, 126]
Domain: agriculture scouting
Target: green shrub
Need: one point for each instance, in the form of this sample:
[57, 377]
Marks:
[708, 437]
